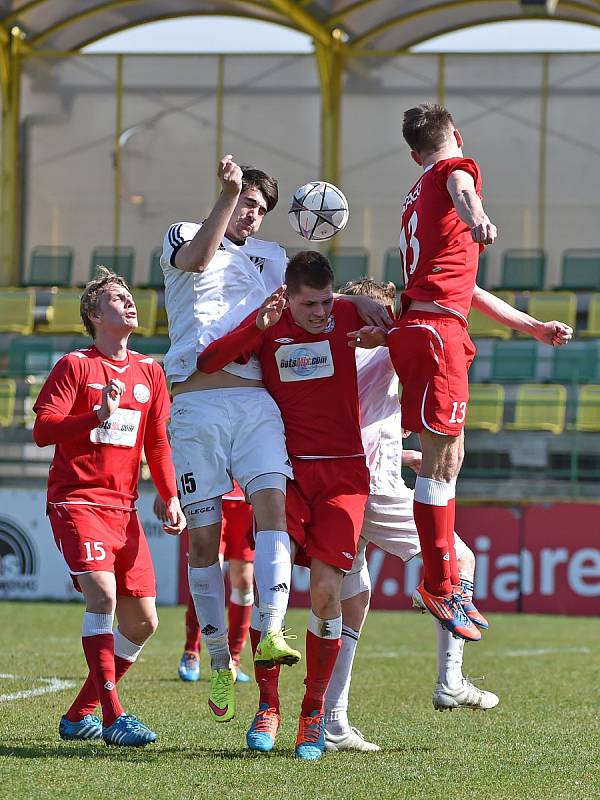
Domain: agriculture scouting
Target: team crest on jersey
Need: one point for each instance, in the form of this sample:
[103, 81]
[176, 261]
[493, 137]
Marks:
[258, 262]
[330, 325]
[141, 393]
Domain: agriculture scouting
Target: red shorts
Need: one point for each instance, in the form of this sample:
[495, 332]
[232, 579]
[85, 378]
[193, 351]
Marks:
[236, 531]
[431, 354]
[95, 538]
[325, 505]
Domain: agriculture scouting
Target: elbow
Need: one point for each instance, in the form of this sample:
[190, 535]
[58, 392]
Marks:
[38, 437]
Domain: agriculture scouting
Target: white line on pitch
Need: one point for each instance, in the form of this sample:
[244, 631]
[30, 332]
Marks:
[544, 651]
[52, 685]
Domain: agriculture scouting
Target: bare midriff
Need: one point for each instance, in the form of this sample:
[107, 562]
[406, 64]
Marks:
[198, 381]
[421, 305]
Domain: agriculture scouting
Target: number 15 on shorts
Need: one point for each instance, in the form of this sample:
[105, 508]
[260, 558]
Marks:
[94, 551]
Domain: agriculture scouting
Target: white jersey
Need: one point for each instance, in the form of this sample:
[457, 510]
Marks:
[381, 421]
[203, 306]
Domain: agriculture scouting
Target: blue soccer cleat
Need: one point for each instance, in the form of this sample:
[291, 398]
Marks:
[189, 666]
[240, 675]
[128, 731]
[89, 727]
[261, 734]
[310, 742]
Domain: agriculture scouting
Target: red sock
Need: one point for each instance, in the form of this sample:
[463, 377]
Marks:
[192, 627]
[100, 655]
[450, 520]
[267, 678]
[239, 623]
[433, 536]
[87, 701]
[321, 655]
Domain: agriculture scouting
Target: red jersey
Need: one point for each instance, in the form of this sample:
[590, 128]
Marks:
[311, 377]
[99, 463]
[438, 256]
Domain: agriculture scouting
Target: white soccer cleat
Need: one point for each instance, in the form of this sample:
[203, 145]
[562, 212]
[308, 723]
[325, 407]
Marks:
[352, 740]
[466, 696]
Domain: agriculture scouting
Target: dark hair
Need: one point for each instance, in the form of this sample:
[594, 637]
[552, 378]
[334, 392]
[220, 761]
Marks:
[90, 299]
[384, 292]
[257, 179]
[308, 268]
[427, 127]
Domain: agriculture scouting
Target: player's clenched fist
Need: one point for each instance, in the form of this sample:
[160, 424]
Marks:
[230, 175]
[484, 233]
[111, 397]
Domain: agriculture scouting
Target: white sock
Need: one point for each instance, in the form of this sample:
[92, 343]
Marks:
[208, 591]
[336, 698]
[450, 657]
[125, 648]
[273, 576]
[96, 624]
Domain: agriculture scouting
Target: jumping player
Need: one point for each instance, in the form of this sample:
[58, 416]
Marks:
[99, 407]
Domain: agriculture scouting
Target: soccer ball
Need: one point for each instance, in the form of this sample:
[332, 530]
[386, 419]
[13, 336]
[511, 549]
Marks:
[319, 210]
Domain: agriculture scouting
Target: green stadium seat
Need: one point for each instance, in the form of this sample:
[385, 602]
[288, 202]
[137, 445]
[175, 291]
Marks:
[155, 277]
[576, 363]
[8, 393]
[63, 313]
[155, 346]
[523, 270]
[30, 355]
[481, 279]
[392, 269]
[120, 260]
[486, 407]
[593, 320]
[540, 407]
[16, 310]
[349, 264]
[146, 301]
[514, 361]
[553, 305]
[50, 265]
[588, 409]
[482, 325]
[580, 270]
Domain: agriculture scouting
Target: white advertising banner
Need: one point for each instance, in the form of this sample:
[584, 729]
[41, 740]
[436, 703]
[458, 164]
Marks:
[31, 567]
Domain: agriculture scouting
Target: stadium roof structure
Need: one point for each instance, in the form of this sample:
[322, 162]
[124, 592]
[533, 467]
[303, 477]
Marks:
[340, 29]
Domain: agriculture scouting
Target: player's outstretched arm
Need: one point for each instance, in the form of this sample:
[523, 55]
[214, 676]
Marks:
[241, 342]
[369, 310]
[553, 333]
[469, 207]
[196, 255]
[369, 337]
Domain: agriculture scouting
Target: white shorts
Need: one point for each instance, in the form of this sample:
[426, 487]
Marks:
[218, 435]
[390, 525]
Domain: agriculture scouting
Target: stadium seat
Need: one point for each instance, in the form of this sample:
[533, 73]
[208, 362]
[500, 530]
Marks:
[540, 407]
[28, 355]
[8, 393]
[349, 264]
[523, 270]
[50, 266]
[576, 363]
[482, 325]
[155, 277]
[588, 409]
[553, 305]
[63, 313]
[120, 260]
[593, 320]
[580, 270]
[16, 310]
[146, 301]
[486, 407]
[155, 346]
[392, 269]
[514, 361]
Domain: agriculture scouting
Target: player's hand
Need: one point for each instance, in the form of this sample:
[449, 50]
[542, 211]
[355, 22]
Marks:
[159, 508]
[485, 232]
[111, 397]
[412, 459]
[230, 175]
[175, 518]
[370, 311]
[368, 337]
[554, 333]
[271, 310]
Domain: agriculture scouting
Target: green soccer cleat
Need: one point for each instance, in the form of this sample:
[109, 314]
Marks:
[221, 700]
[273, 649]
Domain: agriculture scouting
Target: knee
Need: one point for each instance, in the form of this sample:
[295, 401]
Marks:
[140, 630]
[325, 598]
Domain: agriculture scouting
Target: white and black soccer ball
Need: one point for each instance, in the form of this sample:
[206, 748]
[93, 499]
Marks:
[319, 210]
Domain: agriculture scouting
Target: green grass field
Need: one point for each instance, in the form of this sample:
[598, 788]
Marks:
[542, 741]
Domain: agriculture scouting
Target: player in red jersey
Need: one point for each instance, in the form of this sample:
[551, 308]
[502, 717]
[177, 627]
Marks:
[310, 372]
[99, 407]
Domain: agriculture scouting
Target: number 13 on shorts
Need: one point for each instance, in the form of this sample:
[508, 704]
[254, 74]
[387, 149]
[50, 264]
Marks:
[459, 412]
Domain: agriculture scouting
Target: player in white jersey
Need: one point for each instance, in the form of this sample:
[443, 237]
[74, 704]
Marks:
[390, 525]
[226, 426]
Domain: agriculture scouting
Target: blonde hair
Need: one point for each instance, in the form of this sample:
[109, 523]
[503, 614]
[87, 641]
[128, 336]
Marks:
[384, 292]
[90, 299]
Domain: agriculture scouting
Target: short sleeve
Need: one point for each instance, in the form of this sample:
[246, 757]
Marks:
[177, 235]
[445, 168]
